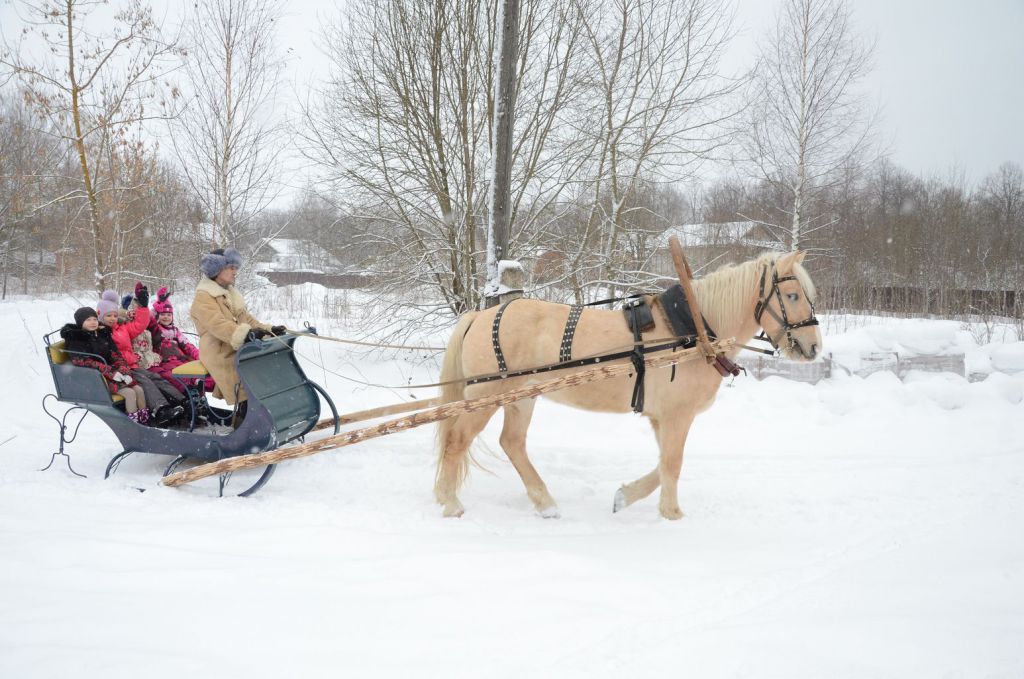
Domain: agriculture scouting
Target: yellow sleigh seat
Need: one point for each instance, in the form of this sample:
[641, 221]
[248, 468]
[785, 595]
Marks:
[191, 369]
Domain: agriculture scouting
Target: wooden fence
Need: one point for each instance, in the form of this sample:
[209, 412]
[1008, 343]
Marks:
[761, 367]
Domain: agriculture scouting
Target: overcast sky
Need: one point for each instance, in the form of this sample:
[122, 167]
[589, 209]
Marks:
[949, 74]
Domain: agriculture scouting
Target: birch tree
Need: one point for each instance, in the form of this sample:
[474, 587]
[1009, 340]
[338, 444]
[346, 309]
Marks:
[228, 139]
[92, 85]
[807, 120]
[661, 107]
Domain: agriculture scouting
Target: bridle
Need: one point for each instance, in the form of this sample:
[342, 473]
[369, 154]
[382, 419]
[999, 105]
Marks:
[785, 327]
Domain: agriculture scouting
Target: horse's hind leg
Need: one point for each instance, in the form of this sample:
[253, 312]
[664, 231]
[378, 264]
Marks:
[453, 463]
[513, 441]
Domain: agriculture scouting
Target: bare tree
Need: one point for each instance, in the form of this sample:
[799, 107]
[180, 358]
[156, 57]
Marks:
[806, 120]
[660, 104]
[228, 139]
[91, 85]
[27, 153]
[404, 132]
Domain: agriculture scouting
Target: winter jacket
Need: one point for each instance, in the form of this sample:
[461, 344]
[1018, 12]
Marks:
[99, 343]
[222, 322]
[174, 350]
[142, 346]
[124, 333]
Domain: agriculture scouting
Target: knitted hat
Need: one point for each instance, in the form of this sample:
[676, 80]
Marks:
[109, 301]
[83, 314]
[162, 305]
[214, 262]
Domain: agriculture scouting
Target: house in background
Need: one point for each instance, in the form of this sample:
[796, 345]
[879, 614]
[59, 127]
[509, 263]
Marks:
[292, 261]
[709, 246]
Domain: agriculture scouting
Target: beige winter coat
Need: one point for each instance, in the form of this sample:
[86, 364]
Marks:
[222, 322]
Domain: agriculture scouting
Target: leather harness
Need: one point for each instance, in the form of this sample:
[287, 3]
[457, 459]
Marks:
[639, 318]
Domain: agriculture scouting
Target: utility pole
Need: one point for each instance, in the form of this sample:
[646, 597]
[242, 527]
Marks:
[504, 278]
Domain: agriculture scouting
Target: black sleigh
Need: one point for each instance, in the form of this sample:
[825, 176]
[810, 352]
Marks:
[283, 406]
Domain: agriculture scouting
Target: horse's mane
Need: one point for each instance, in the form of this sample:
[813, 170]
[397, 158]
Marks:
[726, 293]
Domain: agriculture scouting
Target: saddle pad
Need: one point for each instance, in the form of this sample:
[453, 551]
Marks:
[641, 311]
[673, 301]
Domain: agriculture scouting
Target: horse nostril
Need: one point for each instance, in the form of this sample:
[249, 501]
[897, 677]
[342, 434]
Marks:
[814, 350]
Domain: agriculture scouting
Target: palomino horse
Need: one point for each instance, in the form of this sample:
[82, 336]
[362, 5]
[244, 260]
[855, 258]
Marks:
[773, 292]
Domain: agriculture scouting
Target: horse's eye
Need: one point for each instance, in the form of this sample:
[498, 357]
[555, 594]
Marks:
[793, 297]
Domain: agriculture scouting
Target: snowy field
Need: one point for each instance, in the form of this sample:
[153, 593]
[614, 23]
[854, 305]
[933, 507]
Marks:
[861, 527]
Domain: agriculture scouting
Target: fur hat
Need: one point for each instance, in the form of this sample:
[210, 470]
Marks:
[109, 301]
[214, 262]
[162, 305]
[83, 314]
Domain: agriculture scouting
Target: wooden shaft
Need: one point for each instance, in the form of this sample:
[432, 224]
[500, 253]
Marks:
[372, 413]
[441, 412]
[685, 276]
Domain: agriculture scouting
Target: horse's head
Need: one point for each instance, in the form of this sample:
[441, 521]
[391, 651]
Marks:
[785, 308]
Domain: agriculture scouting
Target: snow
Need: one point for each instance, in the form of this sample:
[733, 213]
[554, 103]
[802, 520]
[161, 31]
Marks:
[860, 527]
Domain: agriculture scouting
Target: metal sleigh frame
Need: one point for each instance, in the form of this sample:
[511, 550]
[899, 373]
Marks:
[283, 405]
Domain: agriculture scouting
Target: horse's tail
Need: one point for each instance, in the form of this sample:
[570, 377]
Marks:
[451, 372]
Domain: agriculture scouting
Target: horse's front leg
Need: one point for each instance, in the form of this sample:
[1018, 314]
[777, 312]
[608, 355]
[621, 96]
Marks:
[629, 493]
[671, 439]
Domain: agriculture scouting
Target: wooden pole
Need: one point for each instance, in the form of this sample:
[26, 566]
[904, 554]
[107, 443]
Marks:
[685, 280]
[441, 412]
[373, 413]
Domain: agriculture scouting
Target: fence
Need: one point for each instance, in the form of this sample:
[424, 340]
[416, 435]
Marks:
[761, 367]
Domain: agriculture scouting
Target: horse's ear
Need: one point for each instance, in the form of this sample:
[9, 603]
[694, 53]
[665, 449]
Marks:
[800, 254]
[786, 261]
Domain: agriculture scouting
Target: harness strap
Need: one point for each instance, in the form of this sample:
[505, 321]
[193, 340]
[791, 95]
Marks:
[502, 368]
[637, 357]
[565, 350]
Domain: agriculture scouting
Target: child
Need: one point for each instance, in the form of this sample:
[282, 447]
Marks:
[170, 342]
[87, 336]
[142, 344]
[166, 403]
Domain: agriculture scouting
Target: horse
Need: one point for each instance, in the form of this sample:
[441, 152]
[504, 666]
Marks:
[736, 300]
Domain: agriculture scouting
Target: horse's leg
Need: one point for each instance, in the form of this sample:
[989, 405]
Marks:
[629, 493]
[671, 439]
[454, 462]
[513, 441]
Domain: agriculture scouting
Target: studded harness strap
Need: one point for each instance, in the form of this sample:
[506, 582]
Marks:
[565, 350]
[502, 368]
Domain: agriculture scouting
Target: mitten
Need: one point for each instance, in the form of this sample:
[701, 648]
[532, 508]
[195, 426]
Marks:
[141, 294]
[279, 330]
[256, 334]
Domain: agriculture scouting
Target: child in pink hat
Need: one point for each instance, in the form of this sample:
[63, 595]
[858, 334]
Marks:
[171, 343]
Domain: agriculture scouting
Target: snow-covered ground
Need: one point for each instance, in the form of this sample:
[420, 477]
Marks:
[855, 528]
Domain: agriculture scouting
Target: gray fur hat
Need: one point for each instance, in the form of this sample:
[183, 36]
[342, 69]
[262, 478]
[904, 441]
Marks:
[214, 262]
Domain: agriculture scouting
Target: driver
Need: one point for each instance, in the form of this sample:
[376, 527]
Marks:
[224, 324]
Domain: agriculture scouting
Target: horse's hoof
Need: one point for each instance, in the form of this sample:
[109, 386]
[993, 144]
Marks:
[620, 502]
[550, 512]
[673, 514]
[453, 511]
